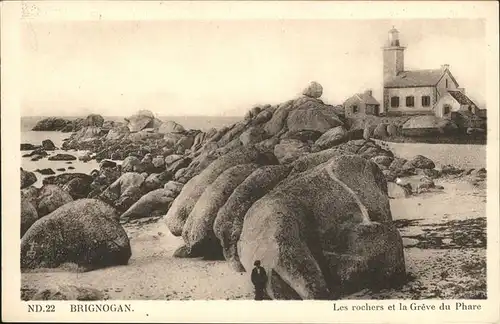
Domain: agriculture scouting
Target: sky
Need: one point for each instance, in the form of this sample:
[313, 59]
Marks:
[225, 67]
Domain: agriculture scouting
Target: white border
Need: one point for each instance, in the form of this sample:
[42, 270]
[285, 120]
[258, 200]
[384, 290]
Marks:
[231, 311]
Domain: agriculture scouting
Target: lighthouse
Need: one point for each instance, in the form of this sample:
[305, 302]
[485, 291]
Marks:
[393, 55]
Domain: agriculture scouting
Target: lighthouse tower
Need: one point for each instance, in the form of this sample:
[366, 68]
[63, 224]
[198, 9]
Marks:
[393, 55]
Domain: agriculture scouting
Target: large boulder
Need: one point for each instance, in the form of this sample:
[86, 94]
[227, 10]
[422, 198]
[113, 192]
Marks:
[29, 215]
[253, 135]
[125, 191]
[331, 138]
[198, 233]
[420, 162]
[50, 198]
[324, 232]
[94, 120]
[77, 185]
[306, 136]
[88, 133]
[233, 133]
[427, 125]
[312, 160]
[176, 162]
[62, 157]
[140, 120]
[130, 163]
[278, 120]
[311, 114]
[170, 127]
[380, 132]
[27, 178]
[263, 117]
[289, 150]
[392, 130]
[194, 188]
[85, 232]
[154, 203]
[117, 133]
[229, 221]
[313, 90]
[48, 145]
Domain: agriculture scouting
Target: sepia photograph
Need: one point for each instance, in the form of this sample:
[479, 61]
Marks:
[254, 159]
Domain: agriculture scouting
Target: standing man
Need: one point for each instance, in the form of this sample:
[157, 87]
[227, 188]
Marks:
[259, 280]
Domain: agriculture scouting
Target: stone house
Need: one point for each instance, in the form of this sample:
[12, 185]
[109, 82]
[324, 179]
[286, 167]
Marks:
[362, 103]
[419, 92]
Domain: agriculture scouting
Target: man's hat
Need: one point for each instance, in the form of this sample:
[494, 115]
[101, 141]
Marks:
[256, 263]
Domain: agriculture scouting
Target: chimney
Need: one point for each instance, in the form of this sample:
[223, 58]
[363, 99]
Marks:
[445, 66]
[368, 92]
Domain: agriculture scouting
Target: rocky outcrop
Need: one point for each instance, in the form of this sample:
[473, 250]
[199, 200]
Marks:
[142, 119]
[48, 145]
[154, 203]
[125, 191]
[229, 220]
[332, 137]
[85, 232]
[194, 188]
[29, 215]
[93, 120]
[77, 185]
[311, 114]
[198, 231]
[289, 150]
[420, 162]
[170, 127]
[324, 232]
[253, 135]
[50, 124]
[27, 178]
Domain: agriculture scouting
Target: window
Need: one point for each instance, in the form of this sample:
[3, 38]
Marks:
[354, 109]
[446, 109]
[394, 102]
[410, 101]
[426, 101]
[446, 81]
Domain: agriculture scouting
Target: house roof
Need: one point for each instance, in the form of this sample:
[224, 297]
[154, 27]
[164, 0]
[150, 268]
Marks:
[416, 78]
[461, 98]
[367, 98]
[363, 97]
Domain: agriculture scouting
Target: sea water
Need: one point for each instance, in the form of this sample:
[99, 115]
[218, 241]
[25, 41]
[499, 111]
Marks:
[36, 138]
[28, 136]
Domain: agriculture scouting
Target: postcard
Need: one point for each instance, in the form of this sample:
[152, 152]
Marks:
[322, 161]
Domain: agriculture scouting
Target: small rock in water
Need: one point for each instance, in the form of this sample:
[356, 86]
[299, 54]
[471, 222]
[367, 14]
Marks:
[62, 157]
[71, 168]
[45, 171]
[48, 145]
[61, 169]
[28, 147]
